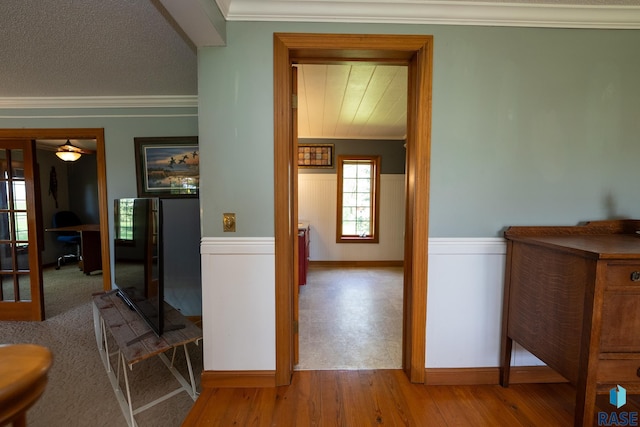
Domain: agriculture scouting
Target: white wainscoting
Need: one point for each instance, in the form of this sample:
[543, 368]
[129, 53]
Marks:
[317, 200]
[464, 306]
[238, 303]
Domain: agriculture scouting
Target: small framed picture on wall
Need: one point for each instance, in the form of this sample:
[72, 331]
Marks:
[167, 166]
[315, 155]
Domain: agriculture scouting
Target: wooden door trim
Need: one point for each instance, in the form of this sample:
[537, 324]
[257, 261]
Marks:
[81, 133]
[416, 52]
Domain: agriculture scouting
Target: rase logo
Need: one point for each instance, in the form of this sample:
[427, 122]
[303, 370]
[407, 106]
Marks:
[618, 398]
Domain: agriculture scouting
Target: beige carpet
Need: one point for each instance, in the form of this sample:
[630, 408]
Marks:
[79, 392]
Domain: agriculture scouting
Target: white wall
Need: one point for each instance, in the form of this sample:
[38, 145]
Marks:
[317, 199]
[464, 305]
[238, 288]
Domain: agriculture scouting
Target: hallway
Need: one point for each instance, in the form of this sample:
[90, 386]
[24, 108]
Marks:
[351, 318]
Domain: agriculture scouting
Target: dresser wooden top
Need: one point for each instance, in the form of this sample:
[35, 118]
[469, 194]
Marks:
[613, 246]
[616, 239]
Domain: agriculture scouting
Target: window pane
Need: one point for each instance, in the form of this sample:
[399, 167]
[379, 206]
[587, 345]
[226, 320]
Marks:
[349, 170]
[363, 214]
[364, 170]
[348, 214]
[363, 199]
[5, 226]
[349, 199]
[125, 219]
[25, 287]
[19, 195]
[364, 185]
[6, 256]
[349, 185]
[364, 228]
[348, 228]
[22, 251]
[6, 281]
[4, 195]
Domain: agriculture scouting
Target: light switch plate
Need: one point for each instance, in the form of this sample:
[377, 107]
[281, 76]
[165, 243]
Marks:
[229, 222]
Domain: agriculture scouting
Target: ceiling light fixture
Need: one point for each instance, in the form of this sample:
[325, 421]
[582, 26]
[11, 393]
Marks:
[69, 152]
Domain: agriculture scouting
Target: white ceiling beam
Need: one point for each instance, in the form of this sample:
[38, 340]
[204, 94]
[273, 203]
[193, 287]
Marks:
[201, 20]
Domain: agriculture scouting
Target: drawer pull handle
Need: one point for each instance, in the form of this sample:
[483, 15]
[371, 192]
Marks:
[635, 276]
[638, 372]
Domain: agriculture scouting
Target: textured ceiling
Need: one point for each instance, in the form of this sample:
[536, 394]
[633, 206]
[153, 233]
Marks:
[92, 48]
[134, 47]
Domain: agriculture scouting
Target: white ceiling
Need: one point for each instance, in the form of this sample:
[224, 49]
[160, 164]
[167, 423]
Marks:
[131, 52]
[352, 101]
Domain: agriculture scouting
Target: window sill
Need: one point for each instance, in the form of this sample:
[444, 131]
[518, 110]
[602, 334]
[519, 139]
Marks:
[356, 239]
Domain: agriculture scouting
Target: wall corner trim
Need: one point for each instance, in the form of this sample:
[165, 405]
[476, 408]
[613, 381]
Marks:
[467, 246]
[237, 246]
[55, 102]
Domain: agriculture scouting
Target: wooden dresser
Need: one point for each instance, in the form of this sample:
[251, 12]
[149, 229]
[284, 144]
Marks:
[572, 298]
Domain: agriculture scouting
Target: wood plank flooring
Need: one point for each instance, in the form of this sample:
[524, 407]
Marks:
[383, 397]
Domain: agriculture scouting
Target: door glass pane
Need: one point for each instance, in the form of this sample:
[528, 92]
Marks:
[22, 253]
[19, 195]
[6, 257]
[4, 194]
[5, 231]
[14, 228]
[8, 293]
[25, 287]
[22, 226]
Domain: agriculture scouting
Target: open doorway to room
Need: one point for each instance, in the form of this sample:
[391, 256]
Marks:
[71, 260]
[415, 52]
[352, 118]
[45, 142]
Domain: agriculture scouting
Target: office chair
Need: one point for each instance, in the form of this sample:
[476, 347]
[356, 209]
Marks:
[67, 238]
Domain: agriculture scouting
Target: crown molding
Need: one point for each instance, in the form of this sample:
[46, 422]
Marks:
[437, 12]
[172, 101]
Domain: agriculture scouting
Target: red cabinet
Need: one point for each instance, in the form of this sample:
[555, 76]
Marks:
[303, 252]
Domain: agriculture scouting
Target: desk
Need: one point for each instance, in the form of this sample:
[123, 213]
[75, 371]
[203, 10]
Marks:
[23, 377]
[91, 255]
[572, 298]
[111, 314]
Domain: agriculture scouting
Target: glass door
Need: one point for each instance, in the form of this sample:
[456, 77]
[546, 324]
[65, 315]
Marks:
[20, 273]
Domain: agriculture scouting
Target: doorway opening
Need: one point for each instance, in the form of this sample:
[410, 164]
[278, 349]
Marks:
[351, 183]
[416, 53]
[93, 134]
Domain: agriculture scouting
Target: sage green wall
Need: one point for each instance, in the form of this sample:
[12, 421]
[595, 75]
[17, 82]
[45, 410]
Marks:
[530, 126]
[120, 127]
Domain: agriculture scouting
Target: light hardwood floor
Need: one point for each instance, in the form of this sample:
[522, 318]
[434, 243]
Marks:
[386, 397]
[350, 332]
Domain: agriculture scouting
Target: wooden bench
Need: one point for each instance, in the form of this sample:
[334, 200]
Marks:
[136, 342]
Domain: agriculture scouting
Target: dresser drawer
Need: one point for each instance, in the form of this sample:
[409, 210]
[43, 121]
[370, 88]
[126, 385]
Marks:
[620, 322]
[623, 275]
[618, 371]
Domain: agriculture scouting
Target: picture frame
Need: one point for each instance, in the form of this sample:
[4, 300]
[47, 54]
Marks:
[316, 155]
[167, 167]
